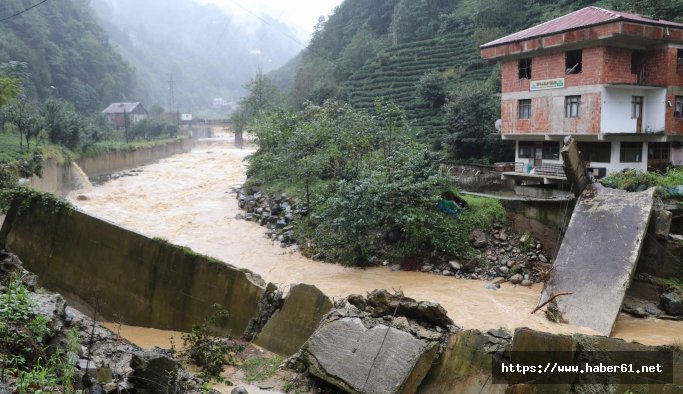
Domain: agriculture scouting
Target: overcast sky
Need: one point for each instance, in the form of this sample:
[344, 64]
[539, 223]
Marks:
[301, 15]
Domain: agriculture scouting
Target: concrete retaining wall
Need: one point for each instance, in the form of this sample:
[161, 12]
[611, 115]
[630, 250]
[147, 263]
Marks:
[143, 281]
[542, 219]
[59, 178]
[123, 160]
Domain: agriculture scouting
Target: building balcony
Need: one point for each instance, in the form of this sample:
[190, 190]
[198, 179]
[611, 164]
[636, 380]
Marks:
[633, 109]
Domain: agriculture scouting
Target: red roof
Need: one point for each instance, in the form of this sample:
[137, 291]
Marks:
[589, 16]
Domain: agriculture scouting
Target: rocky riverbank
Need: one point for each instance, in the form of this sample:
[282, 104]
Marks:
[501, 254]
[72, 350]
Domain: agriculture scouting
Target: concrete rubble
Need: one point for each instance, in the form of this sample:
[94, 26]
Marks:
[385, 343]
[289, 328]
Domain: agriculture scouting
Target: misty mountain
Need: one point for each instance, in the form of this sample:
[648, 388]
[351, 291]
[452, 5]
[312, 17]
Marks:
[209, 53]
[58, 49]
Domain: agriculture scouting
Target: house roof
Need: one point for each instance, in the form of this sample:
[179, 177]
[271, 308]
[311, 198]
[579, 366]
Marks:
[119, 108]
[585, 17]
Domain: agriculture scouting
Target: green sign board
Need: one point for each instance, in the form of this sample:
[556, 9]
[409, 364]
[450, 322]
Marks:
[547, 84]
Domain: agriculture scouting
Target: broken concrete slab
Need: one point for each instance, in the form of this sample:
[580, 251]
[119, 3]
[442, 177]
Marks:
[598, 256]
[465, 366]
[358, 359]
[291, 326]
[574, 166]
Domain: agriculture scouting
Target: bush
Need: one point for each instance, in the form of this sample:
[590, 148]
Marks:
[207, 351]
[667, 184]
[371, 192]
[22, 331]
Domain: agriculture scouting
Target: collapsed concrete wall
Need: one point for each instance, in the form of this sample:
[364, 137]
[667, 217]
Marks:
[149, 282]
[291, 326]
[59, 178]
[145, 282]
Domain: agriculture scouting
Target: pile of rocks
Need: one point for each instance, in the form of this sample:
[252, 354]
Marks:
[104, 363]
[502, 256]
[274, 213]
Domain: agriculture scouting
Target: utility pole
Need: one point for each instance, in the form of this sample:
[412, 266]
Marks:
[171, 82]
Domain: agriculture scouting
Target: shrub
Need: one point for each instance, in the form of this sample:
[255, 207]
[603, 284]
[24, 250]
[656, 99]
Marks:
[371, 191]
[207, 351]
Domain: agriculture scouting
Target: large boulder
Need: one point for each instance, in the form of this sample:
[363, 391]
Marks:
[359, 359]
[478, 239]
[385, 343]
[672, 303]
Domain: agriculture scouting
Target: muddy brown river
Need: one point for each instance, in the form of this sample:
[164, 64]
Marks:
[187, 200]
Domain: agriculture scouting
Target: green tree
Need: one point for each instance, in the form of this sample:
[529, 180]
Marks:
[64, 126]
[431, 89]
[25, 119]
[263, 96]
[10, 89]
[470, 114]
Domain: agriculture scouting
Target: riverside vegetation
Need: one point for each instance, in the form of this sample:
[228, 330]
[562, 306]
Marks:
[367, 190]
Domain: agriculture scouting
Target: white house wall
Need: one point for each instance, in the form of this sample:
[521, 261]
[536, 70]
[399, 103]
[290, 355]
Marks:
[616, 110]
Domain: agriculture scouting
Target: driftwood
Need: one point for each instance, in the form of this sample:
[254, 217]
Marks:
[549, 301]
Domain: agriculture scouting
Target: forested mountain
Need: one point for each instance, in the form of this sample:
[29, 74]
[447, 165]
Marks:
[423, 55]
[58, 49]
[209, 53]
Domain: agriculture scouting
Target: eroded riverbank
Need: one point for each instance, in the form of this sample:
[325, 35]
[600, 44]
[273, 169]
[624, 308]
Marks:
[186, 199]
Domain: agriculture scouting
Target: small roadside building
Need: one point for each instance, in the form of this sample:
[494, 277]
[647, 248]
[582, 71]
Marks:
[125, 114]
[611, 80]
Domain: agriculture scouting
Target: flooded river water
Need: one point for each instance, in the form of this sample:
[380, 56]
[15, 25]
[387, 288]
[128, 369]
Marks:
[187, 200]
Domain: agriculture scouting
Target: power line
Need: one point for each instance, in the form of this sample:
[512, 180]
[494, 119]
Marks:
[21, 12]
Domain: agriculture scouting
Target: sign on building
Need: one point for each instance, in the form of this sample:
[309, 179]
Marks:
[557, 83]
[186, 117]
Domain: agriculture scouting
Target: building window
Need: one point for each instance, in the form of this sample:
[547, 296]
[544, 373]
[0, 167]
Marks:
[637, 62]
[658, 150]
[679, 61]
[600, 152]
[574, 61]
[631, 152]
[525, 68]
[636, 107]
[525, 109]
[571, 106]
[524, 149]
[551, 150]
[678, 107]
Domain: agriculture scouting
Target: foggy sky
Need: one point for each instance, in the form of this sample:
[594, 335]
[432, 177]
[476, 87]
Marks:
[301, 15]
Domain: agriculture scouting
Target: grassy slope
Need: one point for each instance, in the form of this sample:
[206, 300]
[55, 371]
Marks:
[10, 150]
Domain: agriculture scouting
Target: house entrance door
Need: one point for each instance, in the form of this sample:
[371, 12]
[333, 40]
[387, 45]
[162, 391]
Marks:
[538, 154]
[637, 112]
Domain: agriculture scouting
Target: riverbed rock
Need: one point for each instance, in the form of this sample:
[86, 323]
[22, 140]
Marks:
[239, 390]
[455, 265]
[478, 238]
[359, 359]
[385, 303]
[516, 279]
[672, 303]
